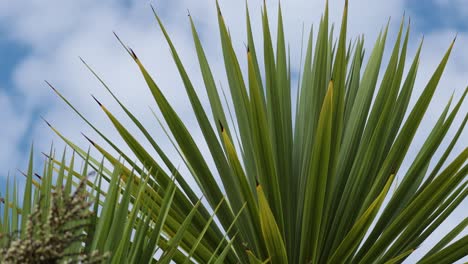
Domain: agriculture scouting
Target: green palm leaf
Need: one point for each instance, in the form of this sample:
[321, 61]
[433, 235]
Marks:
[299, 183]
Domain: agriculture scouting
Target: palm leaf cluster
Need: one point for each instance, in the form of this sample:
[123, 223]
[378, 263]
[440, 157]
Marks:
[53, 231]
[292, 183]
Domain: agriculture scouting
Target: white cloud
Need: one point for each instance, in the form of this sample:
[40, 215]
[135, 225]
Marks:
[459, 7]
[13, 128]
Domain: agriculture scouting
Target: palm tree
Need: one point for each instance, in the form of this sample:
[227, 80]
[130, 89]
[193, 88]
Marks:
[303, 183]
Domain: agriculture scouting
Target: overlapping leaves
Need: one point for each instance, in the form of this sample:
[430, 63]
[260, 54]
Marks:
[298, 183]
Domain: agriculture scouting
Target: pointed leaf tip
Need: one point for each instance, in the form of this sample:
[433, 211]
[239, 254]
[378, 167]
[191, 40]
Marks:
[22, 173]
[117, 36]
[46, 121]
[218, 8]
[152, 8]
[97, 101]
[50, 85]
[38, 176]
[221, 125]
[83, 61]
[133, 53]
[90, 141]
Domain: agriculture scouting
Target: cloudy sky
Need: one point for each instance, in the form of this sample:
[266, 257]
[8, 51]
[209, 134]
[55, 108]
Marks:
[42, 40]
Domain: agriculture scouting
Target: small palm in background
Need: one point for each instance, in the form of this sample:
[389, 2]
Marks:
[302, 183]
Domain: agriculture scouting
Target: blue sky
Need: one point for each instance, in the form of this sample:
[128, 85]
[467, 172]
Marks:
[42, 40]
[439, 14]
